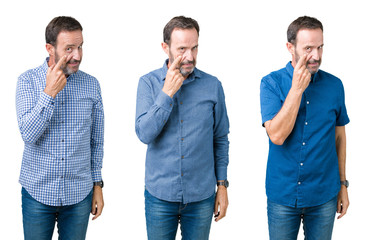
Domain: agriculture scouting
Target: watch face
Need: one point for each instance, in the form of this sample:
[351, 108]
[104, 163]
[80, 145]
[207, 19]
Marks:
[226, 183]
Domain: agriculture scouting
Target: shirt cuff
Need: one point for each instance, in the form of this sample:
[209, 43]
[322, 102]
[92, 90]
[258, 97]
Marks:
[46, 100]
[164, 101]
[221, 173]
[96, 175]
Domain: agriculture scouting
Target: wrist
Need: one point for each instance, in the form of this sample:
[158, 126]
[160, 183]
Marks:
[49, 93]
[223, 183]
[296, 91]
[169, 93]
[99, 184]
[344, 183]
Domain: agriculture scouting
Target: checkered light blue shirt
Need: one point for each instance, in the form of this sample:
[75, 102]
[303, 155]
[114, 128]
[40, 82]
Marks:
[63, 137]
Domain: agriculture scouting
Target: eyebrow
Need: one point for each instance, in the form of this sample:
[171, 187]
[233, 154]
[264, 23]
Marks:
[73, 45]
[311, 46]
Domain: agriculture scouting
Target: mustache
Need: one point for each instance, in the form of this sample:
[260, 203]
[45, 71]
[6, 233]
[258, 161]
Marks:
[311, 61]
[187, 62]
[72, 61]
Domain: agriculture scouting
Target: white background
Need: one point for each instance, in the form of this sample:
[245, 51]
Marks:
[240, 42]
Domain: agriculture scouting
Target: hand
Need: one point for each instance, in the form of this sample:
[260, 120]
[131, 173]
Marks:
[301, 75]
[174, 79]
[221, 203]
[97, 202]
[342, 202]
[56, 79]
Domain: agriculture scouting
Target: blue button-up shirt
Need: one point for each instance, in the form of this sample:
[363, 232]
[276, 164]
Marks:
[63, 137]
[304, 172]
[186, 136]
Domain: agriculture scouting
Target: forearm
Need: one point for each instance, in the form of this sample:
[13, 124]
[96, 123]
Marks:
[280, 127]
[341, 151]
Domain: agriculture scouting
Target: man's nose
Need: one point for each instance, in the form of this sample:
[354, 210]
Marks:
[188, 55]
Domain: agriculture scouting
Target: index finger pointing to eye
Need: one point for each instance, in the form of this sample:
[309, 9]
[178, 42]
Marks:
[175, 64]
[302, 61]
[60, 63]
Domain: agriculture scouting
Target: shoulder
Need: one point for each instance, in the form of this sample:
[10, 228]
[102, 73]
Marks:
[207, 78]
[276, 79]
[87, 78]
[32, 74]
[276, 76]
[154, 77]
[331, 78]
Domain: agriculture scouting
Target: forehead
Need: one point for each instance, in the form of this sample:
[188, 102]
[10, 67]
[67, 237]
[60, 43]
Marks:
[310, 36]
[70, 37]
[184, 36]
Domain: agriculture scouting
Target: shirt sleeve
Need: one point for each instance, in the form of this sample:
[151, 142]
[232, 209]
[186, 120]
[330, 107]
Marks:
[97, 137]
[221, 130]
[342, 118]
[34, 111]
[269, 99]
[151, 114]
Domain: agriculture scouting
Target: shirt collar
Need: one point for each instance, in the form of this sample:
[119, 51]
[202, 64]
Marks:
[195, 74]
[290, 70]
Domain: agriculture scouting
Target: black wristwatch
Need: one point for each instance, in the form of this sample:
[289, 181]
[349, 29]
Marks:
[100, 184]
[224, 183]
[346, 183]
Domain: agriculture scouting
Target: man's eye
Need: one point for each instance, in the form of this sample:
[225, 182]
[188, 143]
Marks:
[68, 49]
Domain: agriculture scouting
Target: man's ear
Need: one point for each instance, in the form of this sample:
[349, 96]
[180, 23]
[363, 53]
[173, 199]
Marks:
[165, 48]
[290, 48]
[50, 49]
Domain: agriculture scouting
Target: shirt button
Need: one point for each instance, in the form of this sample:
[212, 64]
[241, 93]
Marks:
[63, 159]
[182, 121]
[180, 103]
[170, 105]
[182, 156]
[63, 140]
[306, 123]
[182, 174]
[307, 102]
[182, 139]
[303, 143]
[301, 164]
[299, 183]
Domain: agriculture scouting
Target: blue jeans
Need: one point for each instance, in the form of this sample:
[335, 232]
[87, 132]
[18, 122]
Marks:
[39, 219]
[284, 222]
[162, 218]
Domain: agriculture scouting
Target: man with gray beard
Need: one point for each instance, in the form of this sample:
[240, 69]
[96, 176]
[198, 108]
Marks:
[181, 115]
[61, 120]
[303, 111]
